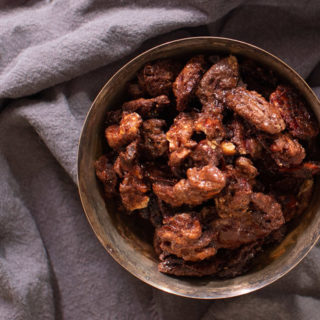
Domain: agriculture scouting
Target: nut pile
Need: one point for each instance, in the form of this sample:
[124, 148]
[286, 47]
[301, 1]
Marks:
[217, 153]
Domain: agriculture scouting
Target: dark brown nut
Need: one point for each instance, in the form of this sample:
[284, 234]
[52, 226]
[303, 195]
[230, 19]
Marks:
[157, 77]
[148, 108]
[300, 122]
[255, 109]
[187, 81]
[221, 76]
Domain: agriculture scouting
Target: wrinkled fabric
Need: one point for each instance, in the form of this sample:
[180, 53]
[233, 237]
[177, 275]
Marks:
[54, 58]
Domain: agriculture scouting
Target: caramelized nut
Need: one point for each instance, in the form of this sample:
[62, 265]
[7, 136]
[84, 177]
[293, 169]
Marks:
[228, 148]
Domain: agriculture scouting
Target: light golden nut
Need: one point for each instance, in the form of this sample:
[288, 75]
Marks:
[228, 148]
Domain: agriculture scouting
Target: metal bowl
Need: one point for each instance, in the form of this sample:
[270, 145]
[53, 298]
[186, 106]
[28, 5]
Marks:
[128, 241]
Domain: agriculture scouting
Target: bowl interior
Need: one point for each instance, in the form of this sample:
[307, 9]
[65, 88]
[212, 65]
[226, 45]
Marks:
[129, 240]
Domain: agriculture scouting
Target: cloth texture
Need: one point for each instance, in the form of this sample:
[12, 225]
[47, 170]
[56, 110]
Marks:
[54, 58]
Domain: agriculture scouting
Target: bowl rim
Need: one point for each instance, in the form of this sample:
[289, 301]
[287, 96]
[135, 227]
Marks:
[108, 247]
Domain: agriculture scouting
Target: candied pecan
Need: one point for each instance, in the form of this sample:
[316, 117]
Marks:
[287, 152]
[182, 235]
[154, 139]
[206, 152]
[127, 131]
[158, 173]
[201, 185]
[187, 81]
[106, 174]
[254, 148]
[245, 144]
[232, 232]
[236, 132]
[222, 75]
[126, 161]
[211, 126]
[235, 199]
[157, 77]
[269, 209]
[226, 264]
[179, 267]
[147, 107]
[179, 137]
[300, 122]
[176, 157]
[133, 192]
[255, 109]
[305, 170]
[236, 262]
[152, 212]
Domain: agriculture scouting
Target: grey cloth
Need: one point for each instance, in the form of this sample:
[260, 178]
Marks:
[54, 57]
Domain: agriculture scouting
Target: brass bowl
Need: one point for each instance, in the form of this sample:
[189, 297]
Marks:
[128, 241]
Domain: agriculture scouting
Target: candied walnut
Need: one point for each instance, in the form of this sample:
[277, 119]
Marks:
[133, 192]
[221, 76]
[106, 175]
[300, 122]
[233, 232]
[147, 107]
[211, 126]
[287, 152]
[206, 152]
[157, 77]
[187, 81]
[127, 131]
[255, 109]
[182, 235]
[154, 139]
[259, 79]
[134, 90]
[201, 185]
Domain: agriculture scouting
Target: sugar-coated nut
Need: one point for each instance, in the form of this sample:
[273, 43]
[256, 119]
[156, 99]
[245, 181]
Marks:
[228, 148]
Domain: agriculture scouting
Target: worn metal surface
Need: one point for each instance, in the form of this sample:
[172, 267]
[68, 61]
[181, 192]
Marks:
[128, 241]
